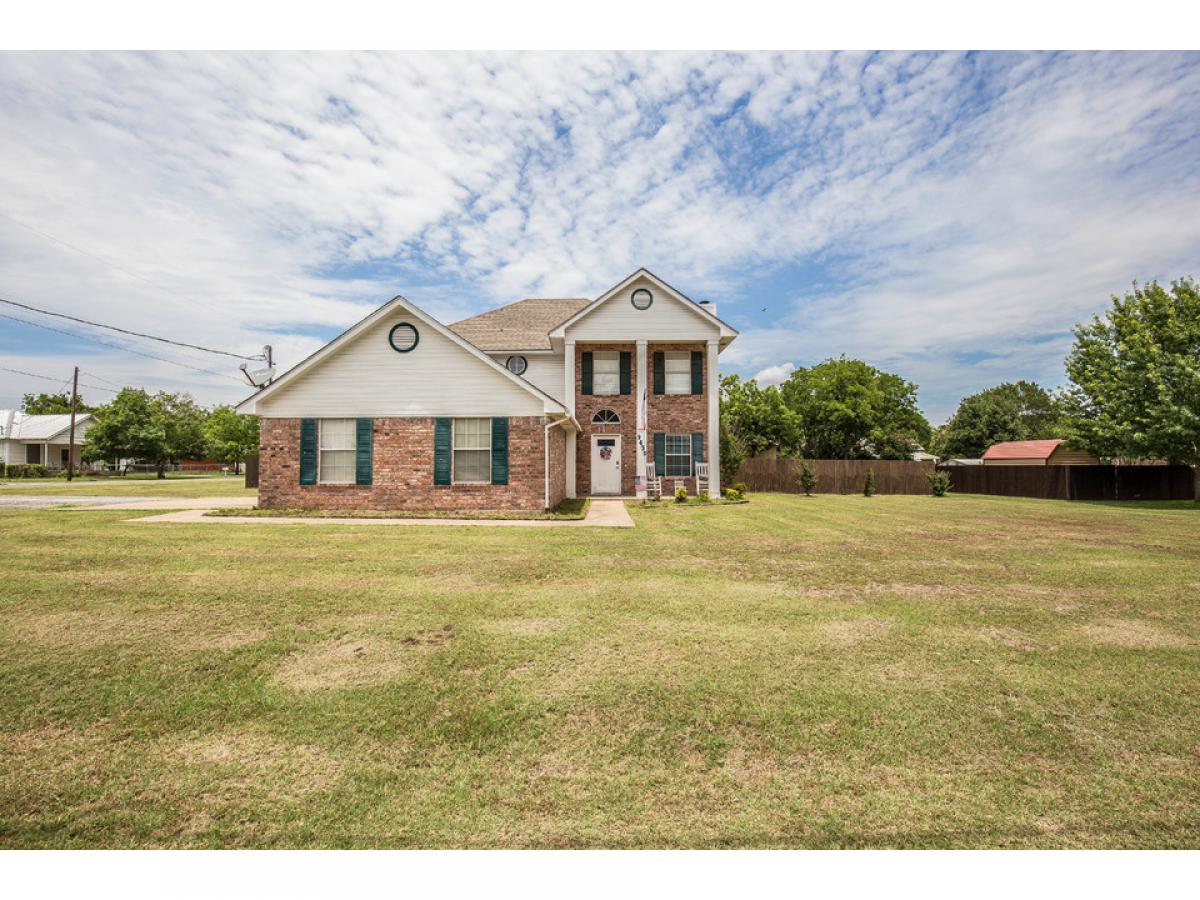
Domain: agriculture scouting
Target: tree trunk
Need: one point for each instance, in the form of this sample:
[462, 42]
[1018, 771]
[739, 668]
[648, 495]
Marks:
[1196, 483]
[162, 470]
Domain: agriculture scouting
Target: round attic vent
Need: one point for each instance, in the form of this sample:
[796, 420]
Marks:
[517, 365]
[641, 299]
[404, 337]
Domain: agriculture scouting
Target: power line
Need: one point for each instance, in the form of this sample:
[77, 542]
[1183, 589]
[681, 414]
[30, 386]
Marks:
[47, 312]
[120, 268]
[88, 337]
[92, 387]
[102, 378]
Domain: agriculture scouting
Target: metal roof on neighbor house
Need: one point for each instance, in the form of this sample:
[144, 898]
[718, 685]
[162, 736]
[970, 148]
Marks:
[17, 426]
[1021, 450]
[524, 325]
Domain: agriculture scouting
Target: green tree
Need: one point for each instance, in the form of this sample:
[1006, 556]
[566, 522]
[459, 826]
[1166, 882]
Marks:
[1023, 411]
[807, 478]
[156, 429]
[230, 436]
[757, 418]
[1135, 377]
[51, 404]
[128, 428]
[847, 409]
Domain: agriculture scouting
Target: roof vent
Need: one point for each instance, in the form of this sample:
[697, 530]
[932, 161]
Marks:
[709, 307]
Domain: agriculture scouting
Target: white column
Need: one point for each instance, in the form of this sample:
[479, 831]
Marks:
[639, 431]
[569, 401]
[569, 383]
[714, 421]
[570, 442]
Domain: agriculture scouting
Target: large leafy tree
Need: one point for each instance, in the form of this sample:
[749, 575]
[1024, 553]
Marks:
[155, 429]
[230, 436]
[848, 409]
[1135, 376]
[51, 404]
[756, 419]
[1023, 411]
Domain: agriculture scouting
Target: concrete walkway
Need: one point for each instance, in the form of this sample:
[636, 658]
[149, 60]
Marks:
[601, 514]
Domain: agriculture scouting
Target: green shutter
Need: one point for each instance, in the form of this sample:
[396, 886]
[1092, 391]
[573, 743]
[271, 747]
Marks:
[697, 449]
[499, 451]
[697, 372]
[626, 367]
[660, 373]
[441, 451]
[660, 454]
[585, 386]
[308, 451]
[362, 451]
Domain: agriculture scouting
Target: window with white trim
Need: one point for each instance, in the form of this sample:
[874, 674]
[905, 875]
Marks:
[338, 440]
[606, 417]
[678, 367]
[606, 372]
[472, 443]
[679, 455]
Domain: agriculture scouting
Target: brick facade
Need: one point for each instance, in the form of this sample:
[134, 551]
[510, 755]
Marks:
[558, 466]
[667, 413]
[402, 470]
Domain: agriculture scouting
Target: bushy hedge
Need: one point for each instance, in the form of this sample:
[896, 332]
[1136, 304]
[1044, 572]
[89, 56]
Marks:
[26, 470]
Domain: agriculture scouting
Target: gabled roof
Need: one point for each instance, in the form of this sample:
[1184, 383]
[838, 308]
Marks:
[728, 332]
[524, 325]
[347, 336]
[1021, 450]
[17, 426]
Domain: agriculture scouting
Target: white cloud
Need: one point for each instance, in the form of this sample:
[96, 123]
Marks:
[956, 206]
[774, 374]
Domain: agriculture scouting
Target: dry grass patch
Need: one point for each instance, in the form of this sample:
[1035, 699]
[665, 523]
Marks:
[524, 627]
[1132, 634]
[185, 631]
[848, 632]
[357, 662]
[238, 759]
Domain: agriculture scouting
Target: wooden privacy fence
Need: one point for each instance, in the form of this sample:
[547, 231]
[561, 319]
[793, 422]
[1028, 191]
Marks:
[251, 467]
[837, 476]
[1075, 482]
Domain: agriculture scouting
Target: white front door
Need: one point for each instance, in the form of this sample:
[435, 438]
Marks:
[606, 464]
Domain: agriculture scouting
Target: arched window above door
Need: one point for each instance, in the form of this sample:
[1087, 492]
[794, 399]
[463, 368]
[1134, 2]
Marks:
[606, 417]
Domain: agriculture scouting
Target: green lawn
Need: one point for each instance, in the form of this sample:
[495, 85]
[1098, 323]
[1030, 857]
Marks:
[140, 486]
[825, 672]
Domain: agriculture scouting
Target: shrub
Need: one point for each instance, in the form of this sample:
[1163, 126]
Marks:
[869, 489]
[733, 494]
[740, 487]
[939, 483]
[807, 478]
[26, 470]
[681, 494]
[703, 497]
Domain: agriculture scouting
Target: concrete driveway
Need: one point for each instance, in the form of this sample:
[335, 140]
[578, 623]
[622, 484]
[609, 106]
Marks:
[41, 501]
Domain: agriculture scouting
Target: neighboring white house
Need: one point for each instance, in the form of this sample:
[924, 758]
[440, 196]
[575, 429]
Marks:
[40, 440]
[518, 407]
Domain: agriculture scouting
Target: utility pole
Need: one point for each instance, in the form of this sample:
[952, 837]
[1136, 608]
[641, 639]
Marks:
[71, 439]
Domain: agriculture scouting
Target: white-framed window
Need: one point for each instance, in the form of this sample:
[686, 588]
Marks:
[338, 439]
[679, 455]
[606, 372]
[678, 367]
[472, 444]
[606, 417]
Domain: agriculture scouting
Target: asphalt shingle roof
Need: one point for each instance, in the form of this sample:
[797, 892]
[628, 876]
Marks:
[524, 325]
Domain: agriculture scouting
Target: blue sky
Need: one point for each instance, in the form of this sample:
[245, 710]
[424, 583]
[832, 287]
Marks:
[948, 217]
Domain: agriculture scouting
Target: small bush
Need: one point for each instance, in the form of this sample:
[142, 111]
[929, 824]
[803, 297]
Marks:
[807, 478]
[939, 483]
[733, 495]
[703, 497]
[869, 489]
[26, 470]
[740, 487]
[681, 494]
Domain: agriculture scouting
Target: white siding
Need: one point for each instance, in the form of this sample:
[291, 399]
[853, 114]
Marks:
[368, 378]
[545, 371]
[667, 319]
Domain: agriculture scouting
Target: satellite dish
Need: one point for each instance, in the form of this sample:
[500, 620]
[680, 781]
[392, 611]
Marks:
[258, 377]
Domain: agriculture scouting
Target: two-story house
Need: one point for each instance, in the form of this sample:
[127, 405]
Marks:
[517, 408]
